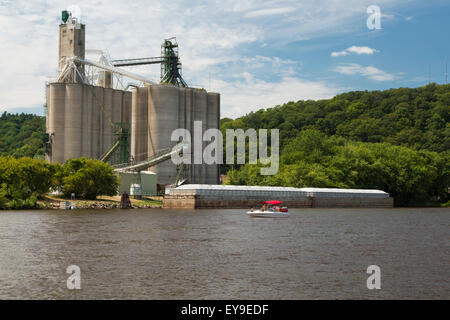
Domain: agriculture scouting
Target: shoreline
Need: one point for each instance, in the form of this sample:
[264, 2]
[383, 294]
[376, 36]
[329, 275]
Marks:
[102, 202]
[51, 202]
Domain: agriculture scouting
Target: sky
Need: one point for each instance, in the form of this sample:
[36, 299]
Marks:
[257, 54]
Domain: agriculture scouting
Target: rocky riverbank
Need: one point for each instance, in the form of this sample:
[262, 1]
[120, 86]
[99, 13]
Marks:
[101, 203]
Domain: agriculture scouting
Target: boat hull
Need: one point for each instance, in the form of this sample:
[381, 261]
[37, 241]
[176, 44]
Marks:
[267, 214]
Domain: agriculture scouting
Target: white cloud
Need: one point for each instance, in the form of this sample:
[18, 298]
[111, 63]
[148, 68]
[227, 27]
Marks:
[369, 72]
[387, 16]
[354, 49]
[214, 36]
[248, 93]
[268, 12]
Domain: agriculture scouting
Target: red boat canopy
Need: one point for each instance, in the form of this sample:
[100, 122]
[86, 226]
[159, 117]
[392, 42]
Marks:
[273, 202]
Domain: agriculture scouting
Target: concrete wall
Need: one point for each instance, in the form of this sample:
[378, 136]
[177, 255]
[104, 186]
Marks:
[80, 119]
[198, 202]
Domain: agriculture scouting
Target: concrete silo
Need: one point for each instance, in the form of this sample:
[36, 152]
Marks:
[126, 108]
[163, 118]
[213, 122]
[199, 110]
[107, 114]
[73, 121]
[86, 133]
[81, 119]
[97, 119]
[139, 123]
[55, 115]
[169, 108]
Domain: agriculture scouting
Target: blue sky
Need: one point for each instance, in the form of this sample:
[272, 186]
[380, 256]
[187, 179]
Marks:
[257, 54]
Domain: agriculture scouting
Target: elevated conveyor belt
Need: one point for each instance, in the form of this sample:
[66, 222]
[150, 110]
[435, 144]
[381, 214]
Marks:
[136, 62]
[155, 159]
[107, 68]
[110, 151]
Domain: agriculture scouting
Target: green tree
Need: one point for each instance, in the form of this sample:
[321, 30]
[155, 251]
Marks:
[23, 180]
[88, 178]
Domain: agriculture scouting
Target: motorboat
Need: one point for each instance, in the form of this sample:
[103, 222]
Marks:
[270, 209]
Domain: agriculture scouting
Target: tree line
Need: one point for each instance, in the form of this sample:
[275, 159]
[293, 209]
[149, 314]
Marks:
[396, 140]
[23, 181]
[22, 135]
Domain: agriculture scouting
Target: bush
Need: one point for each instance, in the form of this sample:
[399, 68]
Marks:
[23, 180]
[88, 178]
[30, 203]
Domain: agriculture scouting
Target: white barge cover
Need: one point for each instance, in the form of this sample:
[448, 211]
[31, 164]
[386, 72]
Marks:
[207, 190]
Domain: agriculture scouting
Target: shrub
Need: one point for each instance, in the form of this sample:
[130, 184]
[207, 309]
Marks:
[88, 178]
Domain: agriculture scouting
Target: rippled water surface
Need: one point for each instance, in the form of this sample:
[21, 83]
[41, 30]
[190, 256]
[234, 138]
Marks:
[223, 254]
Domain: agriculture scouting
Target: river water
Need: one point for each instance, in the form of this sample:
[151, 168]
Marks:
[223, 254]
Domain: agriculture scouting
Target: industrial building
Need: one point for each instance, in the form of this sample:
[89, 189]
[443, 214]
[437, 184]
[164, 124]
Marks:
[92, 111]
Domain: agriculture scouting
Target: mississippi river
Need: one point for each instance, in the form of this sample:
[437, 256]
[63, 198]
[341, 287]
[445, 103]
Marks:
[223, 254]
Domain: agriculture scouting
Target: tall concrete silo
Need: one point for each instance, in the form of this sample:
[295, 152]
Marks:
[126, 108]
[188, 122]
[55, 115]
[107, 118]
[97, 119]
[73, 120]
[200, 109]
[86, 133]
[139, 123]
[213, 122]
[163, 119]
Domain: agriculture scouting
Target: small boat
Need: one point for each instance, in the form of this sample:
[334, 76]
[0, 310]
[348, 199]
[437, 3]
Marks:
[270, 209]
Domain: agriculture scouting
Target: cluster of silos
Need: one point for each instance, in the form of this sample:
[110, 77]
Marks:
[81, 118]
[158, 110]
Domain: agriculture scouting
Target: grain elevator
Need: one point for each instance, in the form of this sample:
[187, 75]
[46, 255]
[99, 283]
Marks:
[92, 111]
